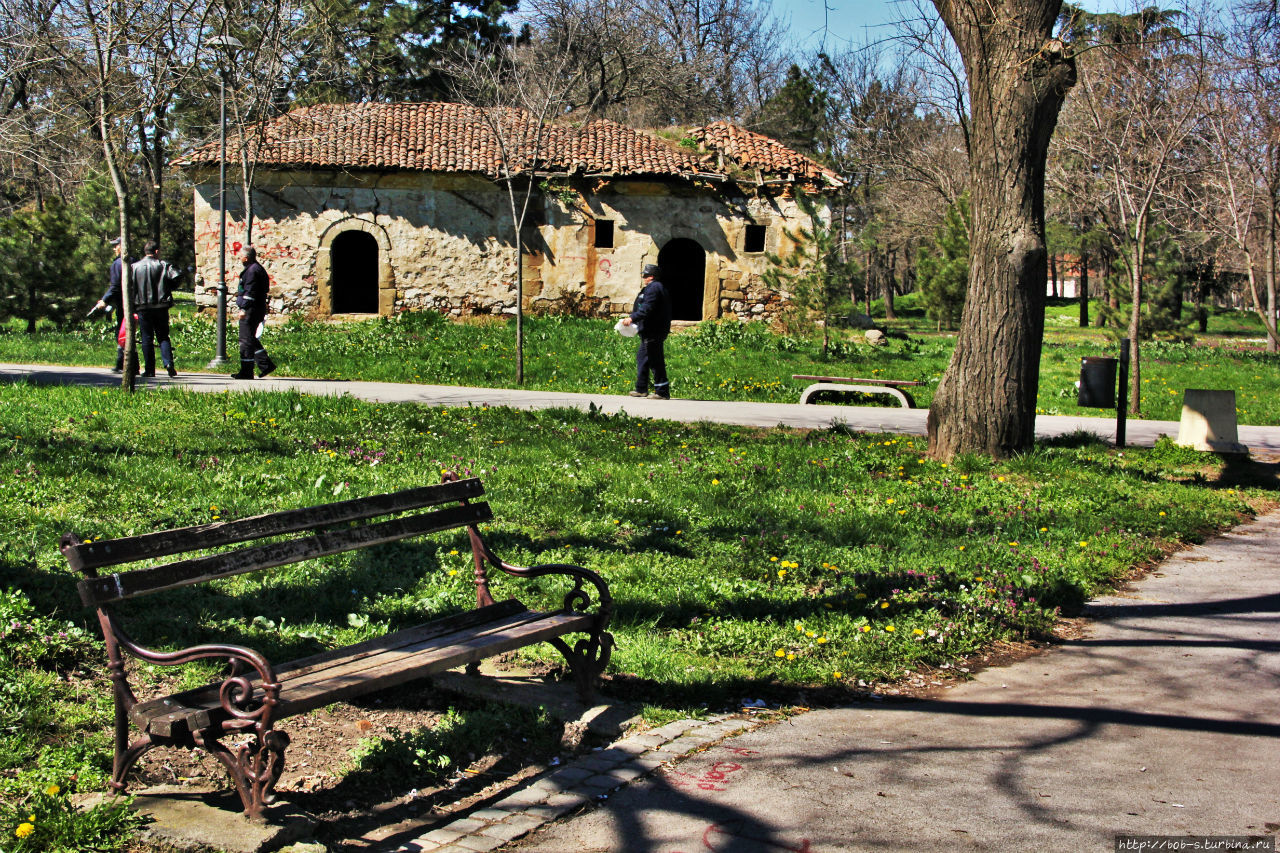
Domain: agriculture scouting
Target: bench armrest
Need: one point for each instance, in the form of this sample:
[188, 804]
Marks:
[235, 694]
[577, 600]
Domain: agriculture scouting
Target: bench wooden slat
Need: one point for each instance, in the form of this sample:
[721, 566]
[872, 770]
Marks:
[411, 663]
[854, 380]
[348, 672]
[113, 552]
[418, 633]
[124, 585]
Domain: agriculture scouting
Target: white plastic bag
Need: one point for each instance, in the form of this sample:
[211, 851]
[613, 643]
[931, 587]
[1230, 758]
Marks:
[628, 330]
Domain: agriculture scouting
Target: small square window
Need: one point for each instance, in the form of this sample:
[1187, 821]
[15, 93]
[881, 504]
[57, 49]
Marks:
[753, 241]
[604, 233]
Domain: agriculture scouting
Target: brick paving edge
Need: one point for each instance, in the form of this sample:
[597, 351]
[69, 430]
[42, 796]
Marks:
[576, 784]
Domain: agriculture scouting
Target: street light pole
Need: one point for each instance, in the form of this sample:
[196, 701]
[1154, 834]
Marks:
[232, 44]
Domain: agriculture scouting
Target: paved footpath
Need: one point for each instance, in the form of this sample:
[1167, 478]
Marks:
[1142, 433]
[1160, 720]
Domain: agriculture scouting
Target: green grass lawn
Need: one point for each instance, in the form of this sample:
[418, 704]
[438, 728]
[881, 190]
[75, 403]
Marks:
[743, 562]
[712, 361]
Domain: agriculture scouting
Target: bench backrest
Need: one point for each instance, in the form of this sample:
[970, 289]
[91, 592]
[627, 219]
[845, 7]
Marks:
[326, 529]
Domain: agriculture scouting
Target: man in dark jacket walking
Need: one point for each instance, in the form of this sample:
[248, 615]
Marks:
[153, 281]
[251, 298]
[652, 316]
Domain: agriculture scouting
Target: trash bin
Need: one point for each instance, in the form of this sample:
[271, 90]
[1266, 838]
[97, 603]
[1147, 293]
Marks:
[1097, 383]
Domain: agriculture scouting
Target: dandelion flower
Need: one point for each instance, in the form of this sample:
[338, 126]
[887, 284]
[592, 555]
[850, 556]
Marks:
[890, 629]
[821, 640]
[52, 790]
[884, 605]
[715, 482]
[866, 628]
[24, 829]
[782, 573]
[1162, 513]
[780, 653]
[452, 572]
[837, 675]
[918, 632]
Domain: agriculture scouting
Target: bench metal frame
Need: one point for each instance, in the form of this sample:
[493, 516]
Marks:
[889, 387]
[255, 692]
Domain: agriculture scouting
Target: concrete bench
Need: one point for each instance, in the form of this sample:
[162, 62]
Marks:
[889, 387]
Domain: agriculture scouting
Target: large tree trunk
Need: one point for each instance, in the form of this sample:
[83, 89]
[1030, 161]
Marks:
[1018, 77]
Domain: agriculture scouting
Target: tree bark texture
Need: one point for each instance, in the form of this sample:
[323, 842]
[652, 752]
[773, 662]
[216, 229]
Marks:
[1018, 77]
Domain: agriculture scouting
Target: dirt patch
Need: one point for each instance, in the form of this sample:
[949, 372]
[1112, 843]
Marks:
[362, 811]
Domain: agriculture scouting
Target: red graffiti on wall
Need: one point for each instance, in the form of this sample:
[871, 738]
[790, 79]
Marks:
[606, 267]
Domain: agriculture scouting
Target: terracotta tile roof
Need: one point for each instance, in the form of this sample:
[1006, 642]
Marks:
[446, 137]
[756, 151]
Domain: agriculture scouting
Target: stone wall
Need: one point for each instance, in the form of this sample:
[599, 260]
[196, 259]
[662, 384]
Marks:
[444, 242]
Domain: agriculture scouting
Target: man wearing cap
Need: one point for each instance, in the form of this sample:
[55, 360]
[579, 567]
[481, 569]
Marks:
[652, 316]
[251, 299]
[111, 299]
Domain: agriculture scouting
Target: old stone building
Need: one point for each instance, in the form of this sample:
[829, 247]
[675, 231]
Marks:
[364, 209]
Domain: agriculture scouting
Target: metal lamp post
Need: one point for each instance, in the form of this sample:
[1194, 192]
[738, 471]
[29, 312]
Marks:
[231, 44]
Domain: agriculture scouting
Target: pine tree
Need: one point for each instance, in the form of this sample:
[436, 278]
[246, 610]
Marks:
[942, 273]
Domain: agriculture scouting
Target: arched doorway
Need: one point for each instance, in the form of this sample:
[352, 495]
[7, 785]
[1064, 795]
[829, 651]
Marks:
[353, 259]
[684, 269]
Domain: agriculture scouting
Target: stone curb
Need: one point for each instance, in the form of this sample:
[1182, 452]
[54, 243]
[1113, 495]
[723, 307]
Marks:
[581, 782]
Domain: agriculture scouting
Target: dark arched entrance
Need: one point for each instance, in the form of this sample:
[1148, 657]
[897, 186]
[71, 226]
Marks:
[684, 266]
[353, 258]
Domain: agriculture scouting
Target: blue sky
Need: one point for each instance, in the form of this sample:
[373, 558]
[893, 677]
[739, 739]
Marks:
[862, 21]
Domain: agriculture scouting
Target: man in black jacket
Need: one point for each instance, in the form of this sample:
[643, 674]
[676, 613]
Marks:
[152, 298]
[251, 298]
[652, 315]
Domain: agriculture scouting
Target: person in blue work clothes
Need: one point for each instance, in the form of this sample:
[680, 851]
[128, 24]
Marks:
[112, 299]
[652, 316]
[251, 299]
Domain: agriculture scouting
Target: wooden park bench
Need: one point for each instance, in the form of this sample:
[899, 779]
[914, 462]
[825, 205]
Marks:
[256, 692]
[890, 387]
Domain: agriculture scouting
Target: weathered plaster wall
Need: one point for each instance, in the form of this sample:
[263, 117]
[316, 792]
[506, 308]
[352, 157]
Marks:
[445, 241]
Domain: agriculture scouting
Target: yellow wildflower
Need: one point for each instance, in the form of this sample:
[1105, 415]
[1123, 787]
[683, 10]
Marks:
[52, 790]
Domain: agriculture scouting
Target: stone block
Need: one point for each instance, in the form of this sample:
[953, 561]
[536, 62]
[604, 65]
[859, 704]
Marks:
[1209, 421]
